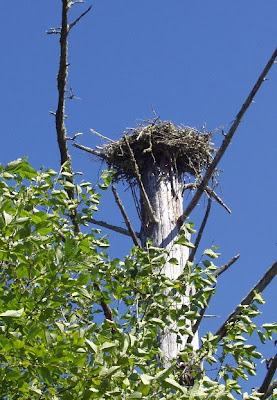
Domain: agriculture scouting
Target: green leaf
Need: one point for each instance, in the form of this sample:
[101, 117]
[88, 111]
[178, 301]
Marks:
[172, 383]
[7, 218]
[211, 253]
[12, 313]
[135, 395]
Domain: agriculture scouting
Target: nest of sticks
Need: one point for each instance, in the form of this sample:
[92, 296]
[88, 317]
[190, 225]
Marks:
[186, 149]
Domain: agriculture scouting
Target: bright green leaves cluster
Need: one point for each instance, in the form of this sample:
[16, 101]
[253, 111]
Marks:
[55, 343]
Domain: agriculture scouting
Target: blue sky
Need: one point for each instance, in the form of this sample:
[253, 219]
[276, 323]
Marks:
[195, 63]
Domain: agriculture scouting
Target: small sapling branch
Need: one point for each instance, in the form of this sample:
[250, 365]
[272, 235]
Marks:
[125, 216]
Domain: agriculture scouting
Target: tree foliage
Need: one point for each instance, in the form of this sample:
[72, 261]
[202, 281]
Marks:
[57, 287]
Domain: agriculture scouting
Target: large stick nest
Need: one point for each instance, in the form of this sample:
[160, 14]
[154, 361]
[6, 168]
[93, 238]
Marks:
[160, 142]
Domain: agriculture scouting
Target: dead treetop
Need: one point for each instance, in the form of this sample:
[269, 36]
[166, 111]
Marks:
[184, 148]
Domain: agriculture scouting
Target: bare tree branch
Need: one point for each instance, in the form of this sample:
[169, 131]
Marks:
[270, 389]
[200, 232]
[125, 216]
[210, 192]
[226, 266]
[78, 19]
[114, 228]
[268, 378]
[91, 151]
[140, 184]
[259, 287]
[60, 113]
[228, 137]
[106, 309]
[203, 310]
[61, 81]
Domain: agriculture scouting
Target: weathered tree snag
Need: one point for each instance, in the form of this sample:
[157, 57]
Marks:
[156, 157]
[164, 187]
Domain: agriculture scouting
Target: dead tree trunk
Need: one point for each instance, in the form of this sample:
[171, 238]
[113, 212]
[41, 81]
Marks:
[156, 158]
[164, 187]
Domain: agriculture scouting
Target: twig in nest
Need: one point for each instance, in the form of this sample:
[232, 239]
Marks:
[125, 216]
[259, 287]
[226, 142]
[114, 228]
[140, 184]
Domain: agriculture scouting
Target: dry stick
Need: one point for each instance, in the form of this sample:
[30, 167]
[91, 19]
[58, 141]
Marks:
[201, 230]
[228, 138]
[91, 151]
[211, 192]
[101, 136]
[259, 287]
[60, 113]
[78, 19]
[125, 216]
[203, 310]
[60, 117]
[140, 184]
[61, 81]
[270, 389]
[114, 228]
[106, 309]
[268, 378]
[226, 266]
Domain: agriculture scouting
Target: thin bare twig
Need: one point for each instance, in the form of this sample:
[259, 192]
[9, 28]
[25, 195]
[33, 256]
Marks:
[210, 192]
[201, 230]
[203, 310]
[78, 19]
[91, 151]
[226, 266]
[125, 216]
[114, 228]
[268, 378]
[228, 137]
[140, 184]
[101, 136]
[259, 287]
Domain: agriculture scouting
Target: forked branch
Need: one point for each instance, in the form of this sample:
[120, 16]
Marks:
[228, 138]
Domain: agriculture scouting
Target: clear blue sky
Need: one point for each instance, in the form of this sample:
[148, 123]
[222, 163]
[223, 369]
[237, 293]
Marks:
[194, 62]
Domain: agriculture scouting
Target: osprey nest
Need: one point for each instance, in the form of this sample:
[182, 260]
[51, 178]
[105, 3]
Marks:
[184, 148]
